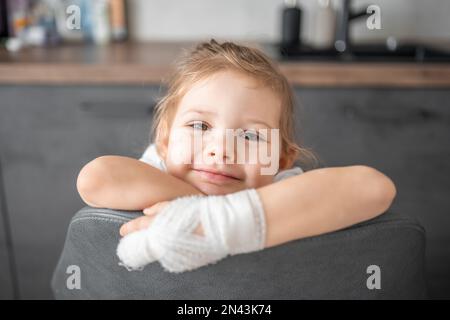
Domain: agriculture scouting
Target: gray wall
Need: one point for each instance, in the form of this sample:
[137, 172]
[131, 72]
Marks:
[260, 19]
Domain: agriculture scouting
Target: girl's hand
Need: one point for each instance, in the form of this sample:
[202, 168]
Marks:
[144, 221]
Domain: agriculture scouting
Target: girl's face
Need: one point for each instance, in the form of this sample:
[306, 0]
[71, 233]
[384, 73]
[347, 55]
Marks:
[226, 100]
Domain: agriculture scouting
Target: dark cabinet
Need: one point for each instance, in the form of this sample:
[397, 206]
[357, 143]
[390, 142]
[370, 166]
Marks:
[6, 272]
[46, 135]
[404, 133]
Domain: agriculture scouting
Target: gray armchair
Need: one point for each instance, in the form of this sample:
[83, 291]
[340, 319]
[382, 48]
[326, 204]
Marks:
[330, 266]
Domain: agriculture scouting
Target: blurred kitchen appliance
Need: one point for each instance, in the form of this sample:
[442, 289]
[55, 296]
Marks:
[291, 23]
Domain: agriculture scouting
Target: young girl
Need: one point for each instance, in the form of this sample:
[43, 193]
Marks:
[199, 211]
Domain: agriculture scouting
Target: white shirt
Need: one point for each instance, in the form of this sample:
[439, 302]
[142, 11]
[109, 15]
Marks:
[152, 158]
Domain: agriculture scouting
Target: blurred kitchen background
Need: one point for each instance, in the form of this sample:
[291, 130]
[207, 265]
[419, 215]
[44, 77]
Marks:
[80, 78]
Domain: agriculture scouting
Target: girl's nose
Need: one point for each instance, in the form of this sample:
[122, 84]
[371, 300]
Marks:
[219, 153]
[218, 150]
[218, 156]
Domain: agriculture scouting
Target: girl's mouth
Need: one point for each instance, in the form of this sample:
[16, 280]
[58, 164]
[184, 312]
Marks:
[214, 177]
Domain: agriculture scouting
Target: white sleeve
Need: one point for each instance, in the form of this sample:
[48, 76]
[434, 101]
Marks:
[284, 174]
[151, 157]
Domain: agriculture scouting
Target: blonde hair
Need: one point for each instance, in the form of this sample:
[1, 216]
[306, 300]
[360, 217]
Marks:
[208, 58]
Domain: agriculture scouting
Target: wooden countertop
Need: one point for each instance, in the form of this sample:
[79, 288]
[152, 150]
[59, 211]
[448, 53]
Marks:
[149, 63]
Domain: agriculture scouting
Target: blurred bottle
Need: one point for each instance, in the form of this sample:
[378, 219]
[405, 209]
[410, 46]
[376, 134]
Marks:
[17, 10]
[4, 33]
[42, 28]
[291, 24]
[86, 21]
[101, 27]
[118, 20]
[17, 22]
[324, 25]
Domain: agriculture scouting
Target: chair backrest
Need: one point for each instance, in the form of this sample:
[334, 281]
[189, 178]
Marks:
[330, 266]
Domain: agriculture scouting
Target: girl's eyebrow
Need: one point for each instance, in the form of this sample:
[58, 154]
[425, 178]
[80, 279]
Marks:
[257, 121]
[197, 111]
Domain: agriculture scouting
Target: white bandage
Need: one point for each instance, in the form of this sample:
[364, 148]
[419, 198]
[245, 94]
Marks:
[232, 224]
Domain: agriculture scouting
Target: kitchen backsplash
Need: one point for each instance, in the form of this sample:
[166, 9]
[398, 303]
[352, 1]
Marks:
[261, 19]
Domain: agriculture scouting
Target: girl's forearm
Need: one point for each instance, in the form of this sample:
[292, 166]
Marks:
[323, 200]
[125, 183]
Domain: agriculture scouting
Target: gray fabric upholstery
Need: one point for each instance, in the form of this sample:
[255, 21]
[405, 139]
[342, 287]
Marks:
[330, 266]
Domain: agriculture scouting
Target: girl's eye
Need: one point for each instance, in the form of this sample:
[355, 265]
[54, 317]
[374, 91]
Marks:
[252, 136]
[199, 126]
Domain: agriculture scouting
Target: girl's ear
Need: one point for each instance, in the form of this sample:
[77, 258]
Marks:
[162, 149]
[287, 161]
[162, 141]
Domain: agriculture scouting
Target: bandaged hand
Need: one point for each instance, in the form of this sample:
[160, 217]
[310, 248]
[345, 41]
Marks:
[231, 224]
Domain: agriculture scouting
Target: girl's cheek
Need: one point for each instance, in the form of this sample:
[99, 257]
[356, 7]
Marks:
[178, 171]
[254, 178]
[179, 151]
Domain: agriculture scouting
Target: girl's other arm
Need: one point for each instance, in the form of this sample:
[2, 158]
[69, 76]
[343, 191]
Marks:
[125, 183]
[323, 200]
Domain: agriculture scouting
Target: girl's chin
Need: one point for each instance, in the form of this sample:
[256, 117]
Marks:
[216, 190]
